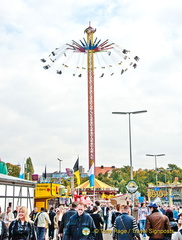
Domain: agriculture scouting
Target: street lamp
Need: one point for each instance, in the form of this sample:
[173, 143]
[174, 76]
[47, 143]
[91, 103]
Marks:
[156, 155]
[60, 168]
[59, 164]
[129, 113]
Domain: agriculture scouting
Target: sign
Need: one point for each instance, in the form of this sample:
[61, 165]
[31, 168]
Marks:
[132, 186]
[160, 193]
[47, 190]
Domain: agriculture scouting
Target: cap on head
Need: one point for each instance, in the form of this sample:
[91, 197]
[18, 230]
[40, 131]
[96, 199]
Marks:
[153, 204]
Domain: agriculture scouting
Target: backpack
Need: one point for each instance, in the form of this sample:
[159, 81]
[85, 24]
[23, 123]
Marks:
[36, 219]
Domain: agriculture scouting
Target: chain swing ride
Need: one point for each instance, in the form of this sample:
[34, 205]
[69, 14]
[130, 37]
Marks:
[91, 53]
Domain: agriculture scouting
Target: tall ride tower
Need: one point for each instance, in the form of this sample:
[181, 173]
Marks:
[91, 103]
[112, 57]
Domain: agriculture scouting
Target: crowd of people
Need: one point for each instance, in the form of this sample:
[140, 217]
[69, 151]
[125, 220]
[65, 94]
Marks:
[81, 222]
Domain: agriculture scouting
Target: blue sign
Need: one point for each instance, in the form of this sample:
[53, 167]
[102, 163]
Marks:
[141, 199]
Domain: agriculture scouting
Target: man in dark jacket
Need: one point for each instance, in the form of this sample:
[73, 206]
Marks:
[116, 213]
[3, 231]
[33, 213]
[105, 210]
[80, 226]
[125, 226]
[66, 218]
[157, 224]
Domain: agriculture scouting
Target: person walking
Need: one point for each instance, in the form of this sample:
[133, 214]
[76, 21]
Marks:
[33, 213]
[157, 223]
[97, 204]
[42, 219]
[51, 226]
[15, 212]
[116, 213]
[125, 226]
[105, 210]
[66, 217]
[98, 223]
[58, 220]
[22, 227]
[142, 214]
[80, 226]
[174, 226]
[3, 231]
[7, 216]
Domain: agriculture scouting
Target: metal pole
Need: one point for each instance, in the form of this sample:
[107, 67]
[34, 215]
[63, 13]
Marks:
[156, 155]
[59, 164]
[131, 164]
[156, 177]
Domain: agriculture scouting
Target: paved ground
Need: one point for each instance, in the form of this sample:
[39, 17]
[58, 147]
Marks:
[108, 235]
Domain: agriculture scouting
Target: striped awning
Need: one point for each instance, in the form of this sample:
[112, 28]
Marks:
[98, 185]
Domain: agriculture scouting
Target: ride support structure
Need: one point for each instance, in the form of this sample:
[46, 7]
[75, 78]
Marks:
[91, 103]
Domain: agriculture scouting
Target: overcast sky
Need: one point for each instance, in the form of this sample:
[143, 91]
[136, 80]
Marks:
[44, 115]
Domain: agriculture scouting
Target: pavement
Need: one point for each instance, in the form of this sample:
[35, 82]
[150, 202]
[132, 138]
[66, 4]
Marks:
[107, 235]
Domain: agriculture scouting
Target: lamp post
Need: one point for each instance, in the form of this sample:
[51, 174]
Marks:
[60, 167]
[59, 164]
[156, 155]
[129, 113]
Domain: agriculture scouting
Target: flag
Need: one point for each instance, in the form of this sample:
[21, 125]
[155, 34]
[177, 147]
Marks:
[45, 173]
[77, 171]
[22, 171]
[91, 176]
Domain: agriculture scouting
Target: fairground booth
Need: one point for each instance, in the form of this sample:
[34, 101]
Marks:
[100, 191]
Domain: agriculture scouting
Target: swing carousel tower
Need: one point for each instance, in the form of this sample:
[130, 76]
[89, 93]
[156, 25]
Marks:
[91, 106]
[90, 47]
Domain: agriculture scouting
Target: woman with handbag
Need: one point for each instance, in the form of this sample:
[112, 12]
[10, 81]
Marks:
[22, 228]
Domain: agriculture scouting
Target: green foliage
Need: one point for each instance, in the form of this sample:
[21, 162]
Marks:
[29, 169]
[120, 177]
[13, 170]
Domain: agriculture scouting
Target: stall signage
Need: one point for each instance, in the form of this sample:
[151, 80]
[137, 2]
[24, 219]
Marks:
[132, 186]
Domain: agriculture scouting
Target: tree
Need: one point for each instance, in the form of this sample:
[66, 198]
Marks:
[29, 169]
[13, 170]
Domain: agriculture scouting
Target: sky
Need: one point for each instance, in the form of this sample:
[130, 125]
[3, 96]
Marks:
[44, 115]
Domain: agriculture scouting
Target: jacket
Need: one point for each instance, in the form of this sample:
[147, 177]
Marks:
[56, 220]
[66, 218]
[25, 231]
[114, 216]
[157, 225]
[3, 231]
[127, 230]
[80, 228]
[106, 211]
[43, 219]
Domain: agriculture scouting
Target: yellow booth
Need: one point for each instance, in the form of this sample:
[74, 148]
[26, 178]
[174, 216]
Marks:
[48, 194]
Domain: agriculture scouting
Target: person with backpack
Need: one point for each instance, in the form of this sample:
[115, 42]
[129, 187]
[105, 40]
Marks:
[42, 218]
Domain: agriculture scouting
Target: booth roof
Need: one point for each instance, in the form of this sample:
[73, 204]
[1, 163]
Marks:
[9, 180]
[98, 184]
